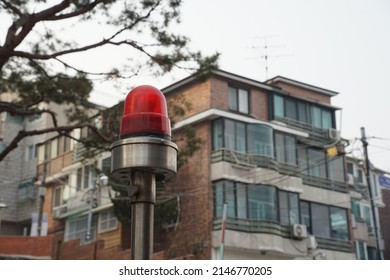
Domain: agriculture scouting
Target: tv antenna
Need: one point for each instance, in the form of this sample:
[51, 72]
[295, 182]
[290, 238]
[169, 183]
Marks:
[267, 54]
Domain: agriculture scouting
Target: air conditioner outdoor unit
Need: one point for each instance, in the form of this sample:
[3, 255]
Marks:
[351, 179]
[311, 242]
[59, 211]
[333, 134]
[298, 231]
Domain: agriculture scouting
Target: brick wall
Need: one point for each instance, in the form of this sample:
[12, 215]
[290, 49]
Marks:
[304, 93]
[198, 96]
[26, 246]
[192, 237]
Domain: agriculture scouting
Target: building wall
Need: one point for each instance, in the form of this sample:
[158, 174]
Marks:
[304, 93]
[192, 184]
[197, 96]
[384, 218]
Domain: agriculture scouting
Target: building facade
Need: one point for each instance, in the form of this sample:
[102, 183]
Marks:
[270, 159]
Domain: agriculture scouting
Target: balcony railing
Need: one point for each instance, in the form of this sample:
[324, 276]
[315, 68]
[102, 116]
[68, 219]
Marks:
[254, 226]
[334, 244]
[272, 227]
[316, 134]
[253, 160]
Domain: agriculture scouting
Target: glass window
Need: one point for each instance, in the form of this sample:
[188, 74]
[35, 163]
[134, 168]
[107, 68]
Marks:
[288, 208]
[350, 168]
[316, 162]
[233, 99]
[76, 228]
[293, 200]
[361, 250]
[285, 146]
[262, 203]
[283, 208]
[336, 169]
[238, 100]
[360, 176]
[243, 101]
[291, 109]
[230, 135]
[241, 201]
[219, 201]
[305, 215]
[326, 119]
[367, 215]
[290, 145]
[302, 112]
[54, 148]
[107, 221]
[339, 223]
[79, 179]
[356, 208]
[230, 198]
[316, 117]
[41, 154]
[217, 135]
[278, 106]
[320, 220]
[240, 137]
[260, 140]
[280, 147]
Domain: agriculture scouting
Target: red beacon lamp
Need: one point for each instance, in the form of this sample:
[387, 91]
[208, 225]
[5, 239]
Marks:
[143, 154]
[145, 134]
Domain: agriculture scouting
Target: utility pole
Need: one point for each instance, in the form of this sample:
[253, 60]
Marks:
[41, 193]
[368, 178]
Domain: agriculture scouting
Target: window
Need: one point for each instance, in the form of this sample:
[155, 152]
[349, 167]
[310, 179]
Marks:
[242, 137]
[339, 223]
[285, 147]
[26, 190]
[302, 111]
[361, 250]
[30, 152]
[314, 162]
[262, 203]
[238, 100]
[350, 168]
[256, 202]
[325, 221]
[61, 195]
[76, 228]
[320, 220]
[107, 221]
[356, 210]
[360, 176]
[288, 208]
[41, 154]
[85, 177]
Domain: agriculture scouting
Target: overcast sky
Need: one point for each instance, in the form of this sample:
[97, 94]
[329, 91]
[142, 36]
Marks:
[340, 45]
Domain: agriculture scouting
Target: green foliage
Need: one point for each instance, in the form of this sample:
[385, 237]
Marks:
[34, 52]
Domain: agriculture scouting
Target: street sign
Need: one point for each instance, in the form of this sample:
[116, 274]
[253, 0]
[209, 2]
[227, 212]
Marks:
[384, 181]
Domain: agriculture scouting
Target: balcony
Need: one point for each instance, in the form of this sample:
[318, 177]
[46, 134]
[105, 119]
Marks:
[317, 135]
[253, 160]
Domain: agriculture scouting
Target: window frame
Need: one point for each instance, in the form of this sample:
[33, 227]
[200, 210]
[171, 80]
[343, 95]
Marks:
[235, 100]
[107, 217]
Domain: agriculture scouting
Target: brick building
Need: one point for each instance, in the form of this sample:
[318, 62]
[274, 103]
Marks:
[264, 152]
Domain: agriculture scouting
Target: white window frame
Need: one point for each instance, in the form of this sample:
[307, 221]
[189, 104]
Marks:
[107, 221]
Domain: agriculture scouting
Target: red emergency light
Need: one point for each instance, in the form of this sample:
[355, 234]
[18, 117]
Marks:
[145, 114]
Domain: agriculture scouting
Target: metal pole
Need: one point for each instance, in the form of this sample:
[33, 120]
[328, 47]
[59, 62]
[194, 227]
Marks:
[89, 219]
[368, 178]
[222, 246]
[143, 196]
